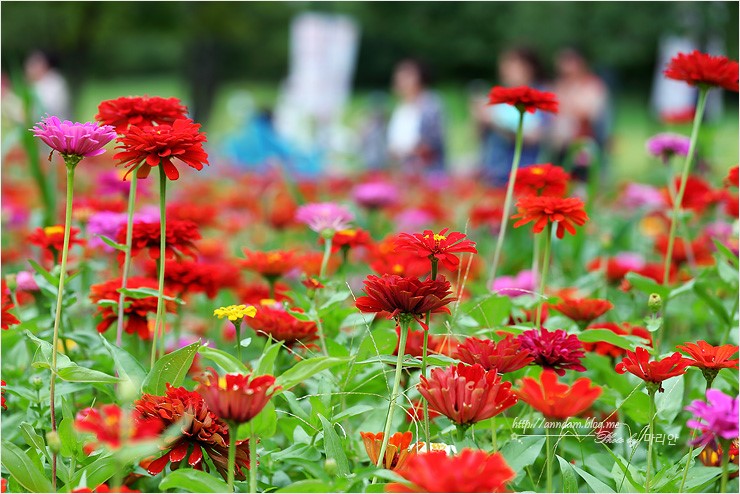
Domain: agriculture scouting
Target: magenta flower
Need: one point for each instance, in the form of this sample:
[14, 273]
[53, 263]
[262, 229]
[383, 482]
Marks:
[374, 195]
[514, 286]
[667, 145]
[324, 217]
[26, 282]
[555, 350]
[641, 196]
[74, 139]
[105, 223]
[716, 419]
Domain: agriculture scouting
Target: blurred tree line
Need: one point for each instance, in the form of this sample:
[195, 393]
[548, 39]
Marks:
[214, 41]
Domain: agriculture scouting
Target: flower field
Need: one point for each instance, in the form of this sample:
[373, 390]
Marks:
[171, 324]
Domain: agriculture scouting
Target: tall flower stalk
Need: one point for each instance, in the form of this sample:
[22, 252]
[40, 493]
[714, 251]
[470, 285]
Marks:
[543, 276]
[127, 258]
[159, 321]
[394, 393]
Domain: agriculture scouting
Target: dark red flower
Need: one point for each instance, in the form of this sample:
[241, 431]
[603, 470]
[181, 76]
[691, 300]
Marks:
[657, 371]
[583, 309]
[201, 430]
[180, 237]
[706, 356]
[556, 400]
[158, 146]
[7, 318]
[139, 111]
[626, 329]
[236, 397]
[556, 350]
[312, 283]
[109, 429]
[505, 356]
[469, 471]
[272, 319]
[524, 99]
[440, 246]
[270, 264]
[466, 394]
[541, 180]
[136, 310]
[702, 69]
[405, 296]
[182, 276]
[564, 211]
[51, 240]
[397, 453]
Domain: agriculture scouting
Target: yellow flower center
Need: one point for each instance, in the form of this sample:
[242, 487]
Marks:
[268, 301]
[397, 268]
[537, 170]
[52, 230]
[348, 233]
[235, 312]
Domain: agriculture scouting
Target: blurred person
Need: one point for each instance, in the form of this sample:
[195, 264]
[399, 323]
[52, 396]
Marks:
[49, 86]
[373, 139]
[583, 114]
[416, 130]
[497, 124]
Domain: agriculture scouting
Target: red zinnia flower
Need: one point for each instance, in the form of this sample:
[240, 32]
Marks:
[139, 111]
[106, 424]
[2, 395]
[556, 350]
[415, 342]
[255, 293]
[701, 249]
[503, 356]
[158, 146]
[180, 237]
[706, 356]
[469, 471]
[583, 309]
[273, 320]
[556, 400]
[51, 239]
[182, 276]
[202, 430]
[655, 372]
[524, 98]
[103, 488]
[136, 309]
[436, 247]
[702, 69]
[387, 260]
[415, 412]
[236, 397]
[698, 194]
[626, 329]
[270, 264]
[466, 394]
[563, 211]
[7, 319]
[541, 180]
[348, 239]
[733, 178]
[405, 296]
[397, 453]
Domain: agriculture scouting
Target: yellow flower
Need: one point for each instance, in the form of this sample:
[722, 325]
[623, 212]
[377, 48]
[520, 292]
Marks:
[234, 312]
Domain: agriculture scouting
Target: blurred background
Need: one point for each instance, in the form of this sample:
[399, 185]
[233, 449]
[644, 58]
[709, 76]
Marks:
[336, 86]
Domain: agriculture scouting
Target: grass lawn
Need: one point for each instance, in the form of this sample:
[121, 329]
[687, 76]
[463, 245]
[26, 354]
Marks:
[632, 121]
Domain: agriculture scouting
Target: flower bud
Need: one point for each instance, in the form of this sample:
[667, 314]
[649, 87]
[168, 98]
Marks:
[330, 467]
[10, 281]
[655, 303]
[53, 441]
[37, 382]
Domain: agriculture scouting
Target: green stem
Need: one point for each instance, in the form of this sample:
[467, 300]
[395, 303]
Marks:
[394, 394]
[460, 433]
[543, 279]
[424, 353]
[127, 258]
[162, 250]
[700, 105]
[232, 455]
[238, 328]
[494, 435]
[651, 425]
[252, 459]
[548, 459]
[725, 464]
[325, 259]
[688, 461]
[58, 314]
[509, 194]
[535, 256]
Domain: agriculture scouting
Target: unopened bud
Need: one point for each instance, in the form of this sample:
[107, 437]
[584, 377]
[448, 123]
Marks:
[37, 382]
[655, 302]
[127, 391]
[10, 281]
[53, 441]
[330, 466]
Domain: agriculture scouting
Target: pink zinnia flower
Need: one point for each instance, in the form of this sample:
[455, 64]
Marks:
[556, 350]
[667, 145]
[375, 195]
[324, 217]
[514, 286]
[641, 196]
[715, 419]
[74, 139]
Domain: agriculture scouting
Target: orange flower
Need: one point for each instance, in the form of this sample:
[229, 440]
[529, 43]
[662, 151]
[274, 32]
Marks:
[708, 357]
[7, 304]
[655, 372]
[583, 309]
[564, 211]
[270, 264]
[541, 180]
[397, 453]
[557, 400]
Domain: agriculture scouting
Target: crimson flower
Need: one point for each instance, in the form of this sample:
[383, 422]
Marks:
[405, 296]
[436, 247]
[583, 309]
[504, 356]
[160, 145]
[273, 320]
[469, 471]
[51, 240]
[466, 394]
[556, 350]
[184, 276]
[541, 180]
[385, 259]
[180, 237]
[415, 342]
[350, 238]
[703, 70]
[236, 397]
[270, 264]
[698, 194]
[201, 431]
[2, 395]
[136, 310]
[524, 99]
[543, 209]
[626, 329]
[733, 177]
[107, 426]
[556, 400]
[655, 372]
[7, 318]
[139, 111]
[397, 453]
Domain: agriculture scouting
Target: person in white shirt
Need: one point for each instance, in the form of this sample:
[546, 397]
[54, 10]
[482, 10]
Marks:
[49, 87]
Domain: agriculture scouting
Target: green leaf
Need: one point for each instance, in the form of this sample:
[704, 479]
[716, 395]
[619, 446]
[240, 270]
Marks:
[127, 366]
[595, 484]
[522, 451]
[266, 364]
[727, 253]
[599, 335]
[66, 369]
[669, 403]
[492, 311]
[23, 469]
[265, 423]
[50, 278]
[333, 447]
[112, 243]
[307, 485]
[701, 288]
[96, 472]
[137, 293]
[226, 361]
[68, 438]
[33, 439]
[337, 298]
[647, 285]
[307, 368]
[570, 482]
[172, 369]
[192, 480]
